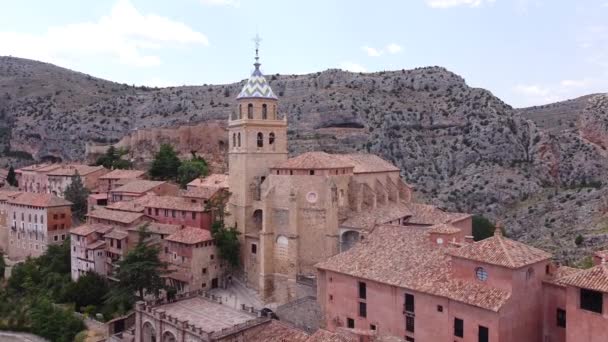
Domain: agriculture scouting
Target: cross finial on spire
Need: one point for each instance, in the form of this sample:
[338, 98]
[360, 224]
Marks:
[257, 41]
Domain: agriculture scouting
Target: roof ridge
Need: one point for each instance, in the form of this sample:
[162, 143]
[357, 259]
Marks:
[505, 249]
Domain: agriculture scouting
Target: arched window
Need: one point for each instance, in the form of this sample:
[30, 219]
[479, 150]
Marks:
[239, 139]
[240, 111]
[271, 138]
[260, 139]
[233, 139]
[250, 111]
[264, 111]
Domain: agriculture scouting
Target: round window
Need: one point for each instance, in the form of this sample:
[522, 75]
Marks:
[439, 241]
[481, 274]
[311, 197]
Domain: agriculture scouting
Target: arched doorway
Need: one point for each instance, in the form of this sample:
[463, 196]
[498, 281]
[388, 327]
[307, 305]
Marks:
[348, 239]
[148, 334]
[169, 337]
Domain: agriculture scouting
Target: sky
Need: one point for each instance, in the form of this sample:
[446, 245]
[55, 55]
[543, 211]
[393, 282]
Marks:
[527, 52]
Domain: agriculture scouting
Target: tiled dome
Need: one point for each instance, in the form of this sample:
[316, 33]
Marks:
[257, 86]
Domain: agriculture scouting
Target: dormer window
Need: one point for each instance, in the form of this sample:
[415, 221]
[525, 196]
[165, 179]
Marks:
[264, 111]
[250, 111]
[481, 274]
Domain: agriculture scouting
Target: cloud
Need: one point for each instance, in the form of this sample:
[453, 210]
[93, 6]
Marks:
[575, 83]
[228, 3]
[351, 66]
[125, 35]
[535, 94]
[372, 52]
[393, 48]
[456, 3]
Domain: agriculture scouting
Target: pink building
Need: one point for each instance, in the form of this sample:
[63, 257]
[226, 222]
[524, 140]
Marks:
[60, 178]
[88, 249]
[115, 178]
[411, 283]
[178, 210]
[34, 178]
[138, 188]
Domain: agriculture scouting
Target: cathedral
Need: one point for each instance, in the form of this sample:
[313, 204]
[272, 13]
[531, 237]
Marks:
[295, 212]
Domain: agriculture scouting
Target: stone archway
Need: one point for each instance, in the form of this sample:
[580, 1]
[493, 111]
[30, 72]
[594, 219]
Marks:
[148, 334]
[348, 239]
[258, 217]
[169, 337]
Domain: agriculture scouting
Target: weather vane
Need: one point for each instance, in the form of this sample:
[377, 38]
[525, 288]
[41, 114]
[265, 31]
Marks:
[257, 41]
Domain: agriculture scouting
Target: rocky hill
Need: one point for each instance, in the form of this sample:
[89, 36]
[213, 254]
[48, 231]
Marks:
[461, 147]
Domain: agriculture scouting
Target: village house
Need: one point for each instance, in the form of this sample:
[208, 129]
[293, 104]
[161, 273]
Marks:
[36, 221]
[138, 188]
[428, 284]
[34, 178]
[178, 210]
[87, 251]
[5, 222]
[193, 260]
[115, 178]
[215, 180]
[59, 179]
[117, 218]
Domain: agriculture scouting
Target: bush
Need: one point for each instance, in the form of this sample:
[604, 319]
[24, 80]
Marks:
[482, 228]
[579, 240]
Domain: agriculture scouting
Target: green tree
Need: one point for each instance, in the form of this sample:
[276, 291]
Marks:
[190, 170]
[112, 159]
[226, 238]
[90, 289]
[54, 323]
[11, 177]
[141, 270]
[579, 240]
[483, 228]
[77, 194]
[165, 164]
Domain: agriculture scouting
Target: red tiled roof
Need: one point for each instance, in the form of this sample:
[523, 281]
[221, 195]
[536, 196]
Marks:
[86, 229]
[116, 234]
[114, 215]
[322, 335]
[561, 273]
[594, 278]
[174, 203]
[368, 163]
[314, 160]
[275, 331]
[404, 257]
[137, 205]
[138, 186]
[39, 200]
[70, 170]
[190, 236]
[367, 219]
[202, 192]
[430, 214]
[159, 228]
[214, 180]
[498, 250]
[97, 245]
[122, 174]
[444, 228]
[7, 194]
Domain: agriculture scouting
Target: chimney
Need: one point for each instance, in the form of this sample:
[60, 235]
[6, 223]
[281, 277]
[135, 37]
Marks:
[498, 229]
[469, 239]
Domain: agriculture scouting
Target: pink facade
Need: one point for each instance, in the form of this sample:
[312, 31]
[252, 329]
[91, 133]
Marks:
[199, 218]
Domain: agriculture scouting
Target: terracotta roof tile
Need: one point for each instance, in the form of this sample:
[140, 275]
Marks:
[202, 192]
[594, 278]
[114, 215]
[444, 228]
[498, 250]
[368, 163]
[97, 245]
[138, 186]
[322, 335]
[159, 228]
[404, 257]
[214, 180]
[602, 254]
[39, 200]
[275, 331]
[190, 236]
[367, 219]
[70, 170]
[7, 194]
[429, 214]
[122, 174]
[315, 160]
[137, 205]
[86, 229]
[561, 273]
[174, 203]
[116, 234]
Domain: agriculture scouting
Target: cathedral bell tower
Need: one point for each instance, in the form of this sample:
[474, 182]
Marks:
[258, 140]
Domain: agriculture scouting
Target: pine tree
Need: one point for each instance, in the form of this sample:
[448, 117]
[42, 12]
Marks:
[77, 194]
[165, 164]
[11, 178]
